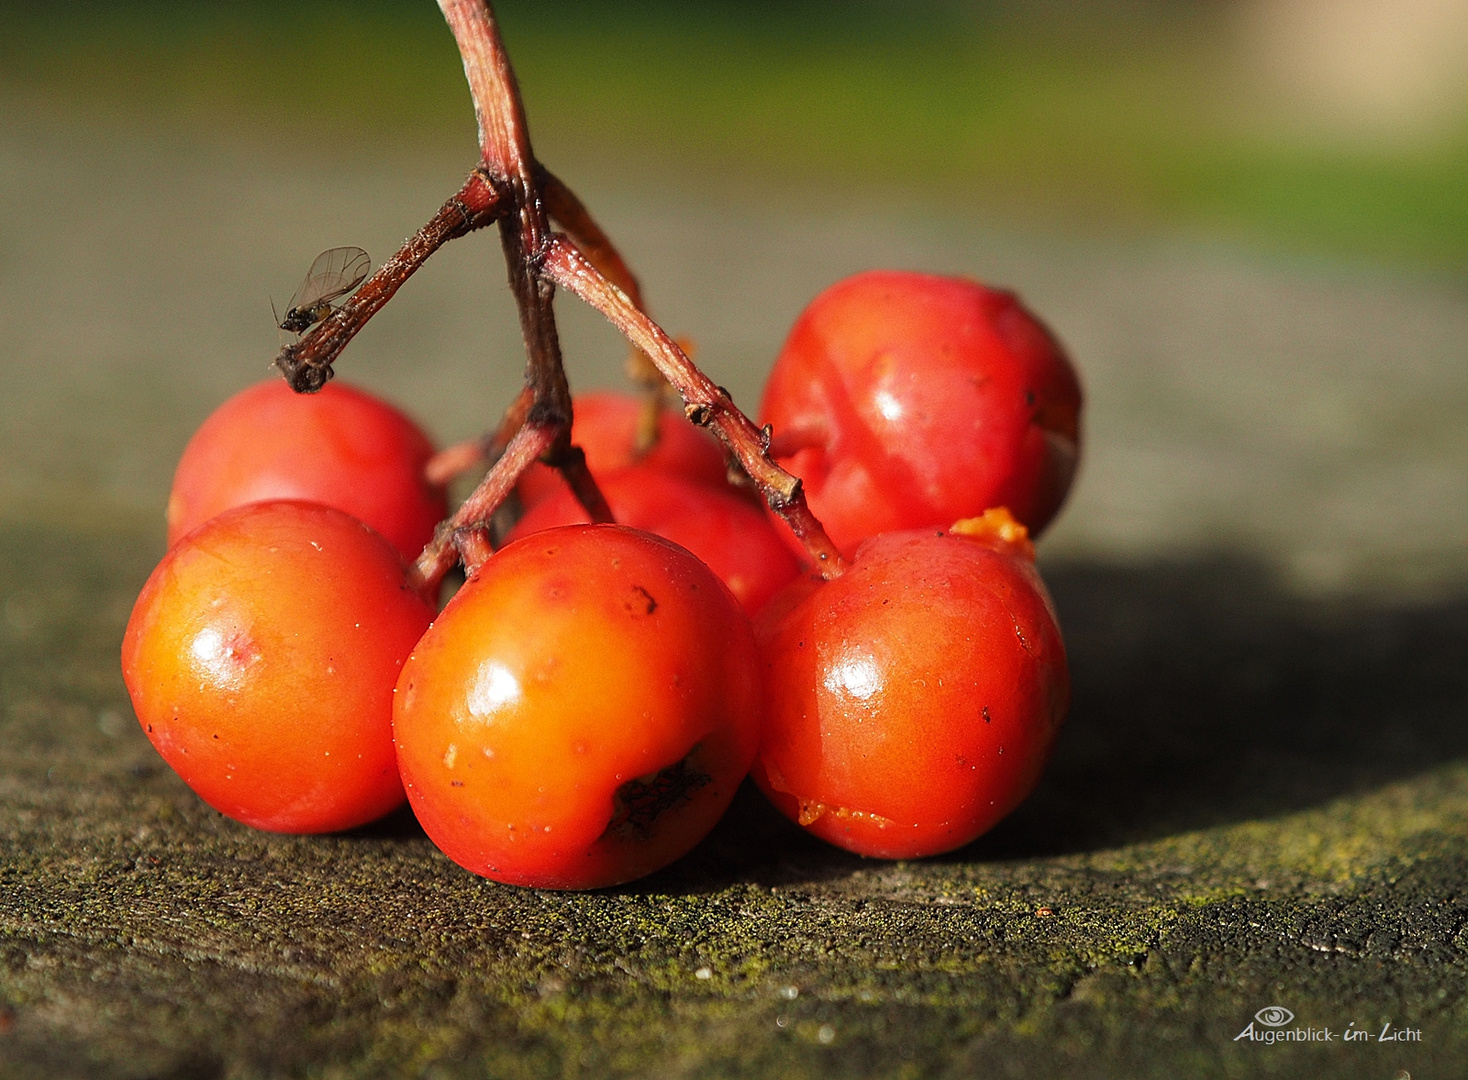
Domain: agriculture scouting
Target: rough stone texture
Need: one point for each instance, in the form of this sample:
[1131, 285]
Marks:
[1260, 800]
[1261, 797]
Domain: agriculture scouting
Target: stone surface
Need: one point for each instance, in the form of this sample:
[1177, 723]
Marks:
[1261, 797]
[1260, 801]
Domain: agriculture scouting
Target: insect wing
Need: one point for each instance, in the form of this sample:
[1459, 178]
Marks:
[336, 272]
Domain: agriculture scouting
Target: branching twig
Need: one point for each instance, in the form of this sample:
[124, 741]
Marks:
[544, 433]
[465, 534]
[705, 404]
[504, 149]
[581, 227]
[567, 209]
[306, 364]
[512, 188]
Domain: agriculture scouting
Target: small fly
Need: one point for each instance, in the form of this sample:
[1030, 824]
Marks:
[336, 272]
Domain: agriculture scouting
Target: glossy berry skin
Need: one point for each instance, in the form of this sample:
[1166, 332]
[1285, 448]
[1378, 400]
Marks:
[261, 658]
[913, 700]
[340, 446]
[728, 532]
[581, 712]
[604, 425]
[907, 400]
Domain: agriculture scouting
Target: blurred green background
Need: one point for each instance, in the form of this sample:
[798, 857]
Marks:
[1296, 125]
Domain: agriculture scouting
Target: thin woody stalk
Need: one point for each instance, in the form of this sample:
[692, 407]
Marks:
[537, 261]
[512, 188]
[571, 214]
[568, 210]
[504, 147]
[464, 534]
[306, 364]
[705, 404]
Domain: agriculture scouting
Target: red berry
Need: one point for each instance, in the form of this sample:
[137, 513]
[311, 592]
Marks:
[261, 658]
[605, 427]
[907, 400]
[341, 447]
[725, 530]
[914, 699]
[581, 712]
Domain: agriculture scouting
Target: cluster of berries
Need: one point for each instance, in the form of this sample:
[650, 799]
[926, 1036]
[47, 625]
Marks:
[583, 708]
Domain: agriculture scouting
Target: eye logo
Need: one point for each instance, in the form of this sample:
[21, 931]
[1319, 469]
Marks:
[1274, 1016]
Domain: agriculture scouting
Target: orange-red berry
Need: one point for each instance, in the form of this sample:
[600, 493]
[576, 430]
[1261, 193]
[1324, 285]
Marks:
[261, 658]
[581, 712]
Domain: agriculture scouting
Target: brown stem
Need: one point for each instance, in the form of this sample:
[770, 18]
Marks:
[537, 261]
[460, 458]
[504, 140]
[464, 534]
[705, 404]
[571, 213]
[306, 364]
[567, 209]
[504, 148]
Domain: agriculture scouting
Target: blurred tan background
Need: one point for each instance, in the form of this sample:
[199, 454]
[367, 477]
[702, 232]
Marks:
[1248, 220]
[1364, 69]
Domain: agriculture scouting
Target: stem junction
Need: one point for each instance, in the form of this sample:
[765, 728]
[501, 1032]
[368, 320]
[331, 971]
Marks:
[512, 189]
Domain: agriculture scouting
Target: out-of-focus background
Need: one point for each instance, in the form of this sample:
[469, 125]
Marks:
[1248, 219]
